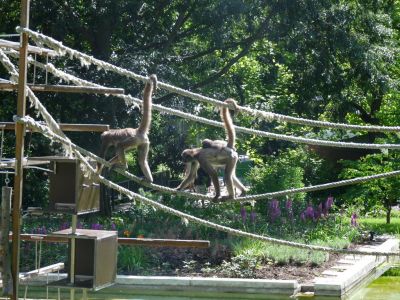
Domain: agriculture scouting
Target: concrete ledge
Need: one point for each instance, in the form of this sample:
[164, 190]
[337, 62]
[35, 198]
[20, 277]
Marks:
[195, 286]
[356, 269]
[221, 285]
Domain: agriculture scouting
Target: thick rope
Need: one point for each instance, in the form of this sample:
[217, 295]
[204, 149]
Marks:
[135, 101]
[200, 196]
[46, 131]
[239, 199]
[49, 132]
[87, 60]
[33, 99]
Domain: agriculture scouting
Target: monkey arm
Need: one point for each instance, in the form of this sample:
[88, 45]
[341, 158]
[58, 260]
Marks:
[143, 151]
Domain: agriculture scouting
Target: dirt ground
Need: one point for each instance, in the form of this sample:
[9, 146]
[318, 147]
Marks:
[172, 264]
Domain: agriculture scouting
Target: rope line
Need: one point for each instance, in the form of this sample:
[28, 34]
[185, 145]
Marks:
[87, 60]
[46, 131]
[239, 199]
[201, 196]
[130, 100]
[49, 132]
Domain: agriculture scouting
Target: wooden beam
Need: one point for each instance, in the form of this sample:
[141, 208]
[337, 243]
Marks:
[125, 241]
[164, 243]
[31, 49]
[7, 86]
[19, 149]
[66, 127]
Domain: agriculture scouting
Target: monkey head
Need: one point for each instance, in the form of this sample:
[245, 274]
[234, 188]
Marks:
[188, 155]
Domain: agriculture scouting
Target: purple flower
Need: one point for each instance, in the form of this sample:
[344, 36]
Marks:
[289, 208]
[274, 210]
[328, 205]
[243, 213]
[64, 225]
[318, 212]
[113, 226]
[303, 216]
[253, 216]
[353, 220]
[289, 204]
[329, 202]
[97, 226]
[309, 212]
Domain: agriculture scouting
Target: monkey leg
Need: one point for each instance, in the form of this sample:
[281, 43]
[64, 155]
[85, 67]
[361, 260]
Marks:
[143, 151]
[209, 169]
[190, 175]
[119, 158]
[230, 168]
[239, 185]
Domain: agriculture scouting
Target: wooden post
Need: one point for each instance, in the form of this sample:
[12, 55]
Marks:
[6, 194]
[19, 149]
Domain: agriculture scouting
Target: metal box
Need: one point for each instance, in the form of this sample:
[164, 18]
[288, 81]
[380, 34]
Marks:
[70, 191]
[95, 258]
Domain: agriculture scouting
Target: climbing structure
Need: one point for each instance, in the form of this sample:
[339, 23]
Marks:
[79, 156]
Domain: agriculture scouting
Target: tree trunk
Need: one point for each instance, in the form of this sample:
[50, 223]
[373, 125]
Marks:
[388, 211]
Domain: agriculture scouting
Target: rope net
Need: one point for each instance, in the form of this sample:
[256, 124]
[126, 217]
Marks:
[87, 60]
[53, 132]
[130, 100]
[46, 131]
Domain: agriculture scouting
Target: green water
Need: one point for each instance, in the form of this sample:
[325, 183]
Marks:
[386, 287]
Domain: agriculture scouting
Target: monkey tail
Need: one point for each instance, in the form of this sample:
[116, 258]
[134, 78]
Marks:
[228, 123]
[150, 86]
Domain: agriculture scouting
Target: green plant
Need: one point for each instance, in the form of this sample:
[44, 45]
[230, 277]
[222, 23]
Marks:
[131, 259]
[240, 266]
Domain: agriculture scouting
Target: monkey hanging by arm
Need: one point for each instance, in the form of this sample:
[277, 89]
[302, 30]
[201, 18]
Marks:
[129, 138]
[226, 117]
[215, 154]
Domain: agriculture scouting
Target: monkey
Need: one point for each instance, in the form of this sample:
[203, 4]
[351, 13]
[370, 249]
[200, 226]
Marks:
[129, 138]
[219, 144]
[215, 154]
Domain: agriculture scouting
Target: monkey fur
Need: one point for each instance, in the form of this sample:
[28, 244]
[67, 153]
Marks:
[130, 138]
[214, 154]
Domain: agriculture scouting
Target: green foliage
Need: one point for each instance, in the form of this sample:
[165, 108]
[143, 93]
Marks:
[277, 173]
[240, 266]
[379, 225]
[384, 192]
[131, 260]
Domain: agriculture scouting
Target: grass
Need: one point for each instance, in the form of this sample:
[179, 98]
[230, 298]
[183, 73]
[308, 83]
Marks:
[379, 225]
[286, 255]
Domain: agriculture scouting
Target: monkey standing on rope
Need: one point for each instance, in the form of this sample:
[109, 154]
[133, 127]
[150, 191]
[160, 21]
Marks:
[214, 154]
[129, 138]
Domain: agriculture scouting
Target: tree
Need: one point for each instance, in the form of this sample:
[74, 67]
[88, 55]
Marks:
[385, 192]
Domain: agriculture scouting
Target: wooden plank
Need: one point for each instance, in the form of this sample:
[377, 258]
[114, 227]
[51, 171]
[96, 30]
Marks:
[19, 149]
[6, 276]
[8, 86]
[126, 241]
[31, 49]
[67, 127]
[164, 243]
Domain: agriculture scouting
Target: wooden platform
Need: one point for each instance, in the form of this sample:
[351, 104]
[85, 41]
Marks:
[65, 127]
[31, 49]
[8, 86]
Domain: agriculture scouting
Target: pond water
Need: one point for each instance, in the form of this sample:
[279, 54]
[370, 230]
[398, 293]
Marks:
[386, 287]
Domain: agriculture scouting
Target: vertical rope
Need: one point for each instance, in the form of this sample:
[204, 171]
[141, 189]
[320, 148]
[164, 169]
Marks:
[34, 70]
[1, 143]
[47, 61]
